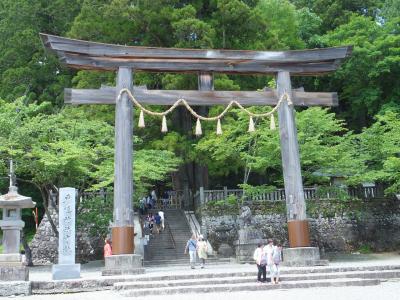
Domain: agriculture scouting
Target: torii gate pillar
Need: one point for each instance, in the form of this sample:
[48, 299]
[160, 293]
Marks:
[300, 253]
[122, 230]
[123, 261]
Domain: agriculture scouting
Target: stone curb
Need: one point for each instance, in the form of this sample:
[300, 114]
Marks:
[11, 288]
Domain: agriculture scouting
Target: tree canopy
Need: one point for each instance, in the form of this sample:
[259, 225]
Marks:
[58, 145]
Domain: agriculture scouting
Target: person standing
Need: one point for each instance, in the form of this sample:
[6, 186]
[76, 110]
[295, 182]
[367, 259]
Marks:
[153, 198]
[269, 250]
[277, 258]
[161, 213]
[202, 250]
[157, 220]
[261, 262]
[191, 246]
[142, 206]
[148, 202]
[107, 247]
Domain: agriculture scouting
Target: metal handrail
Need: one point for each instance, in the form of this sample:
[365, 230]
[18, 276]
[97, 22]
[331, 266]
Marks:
[197, 229]
[171, 235]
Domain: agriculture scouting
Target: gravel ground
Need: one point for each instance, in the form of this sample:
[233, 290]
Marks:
[387, 290]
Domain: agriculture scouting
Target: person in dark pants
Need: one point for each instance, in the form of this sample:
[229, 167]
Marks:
[261, 261]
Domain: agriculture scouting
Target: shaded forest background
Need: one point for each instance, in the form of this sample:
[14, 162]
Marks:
[56, 145]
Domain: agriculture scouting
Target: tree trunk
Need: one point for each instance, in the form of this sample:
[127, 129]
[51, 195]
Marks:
[45, 194]
[28, 252]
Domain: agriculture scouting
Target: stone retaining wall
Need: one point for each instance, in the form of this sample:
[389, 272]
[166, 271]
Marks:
[333, 227]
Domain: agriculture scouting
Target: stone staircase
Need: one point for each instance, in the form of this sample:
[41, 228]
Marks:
[169, 245]
[210, 282]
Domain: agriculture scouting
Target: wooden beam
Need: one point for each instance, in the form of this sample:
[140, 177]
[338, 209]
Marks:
[62, 44]
[194, 65]
[168, 97]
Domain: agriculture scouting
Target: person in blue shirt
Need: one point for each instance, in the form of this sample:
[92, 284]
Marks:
[157, 220]
[191, 246]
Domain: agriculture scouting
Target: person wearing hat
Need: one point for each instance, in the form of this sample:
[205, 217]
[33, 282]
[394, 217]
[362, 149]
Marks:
[202, 250]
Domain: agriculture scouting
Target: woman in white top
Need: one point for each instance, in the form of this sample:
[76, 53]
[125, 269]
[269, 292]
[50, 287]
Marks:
[269, 251]
[261, 261]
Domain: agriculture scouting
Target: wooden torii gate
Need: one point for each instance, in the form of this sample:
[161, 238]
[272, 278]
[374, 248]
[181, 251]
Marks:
[126, 60]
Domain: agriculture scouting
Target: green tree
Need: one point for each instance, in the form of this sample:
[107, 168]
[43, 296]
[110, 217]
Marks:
[54, 150]
[378, 147]
[338, 12]
[376, 56]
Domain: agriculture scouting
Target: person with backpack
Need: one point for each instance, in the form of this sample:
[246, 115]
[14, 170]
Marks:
[277, 258]
[191, 246]
[261, 262]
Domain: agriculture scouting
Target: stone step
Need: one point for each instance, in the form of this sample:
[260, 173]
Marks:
[284, 271]
[250, 279]
[254, 286]
[96, 284]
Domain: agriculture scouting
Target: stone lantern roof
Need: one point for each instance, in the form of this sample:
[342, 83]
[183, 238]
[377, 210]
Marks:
[13, 199]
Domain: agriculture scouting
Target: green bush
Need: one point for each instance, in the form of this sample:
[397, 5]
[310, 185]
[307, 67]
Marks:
[365, 249]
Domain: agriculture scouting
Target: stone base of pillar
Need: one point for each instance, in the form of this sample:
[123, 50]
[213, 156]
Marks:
[302, 257]
[14, 273]
[245, 249]
[124, 264]
[12, 268]
[70, 271]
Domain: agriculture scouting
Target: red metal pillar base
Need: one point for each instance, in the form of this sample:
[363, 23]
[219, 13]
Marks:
[123, 240]
[299, 235]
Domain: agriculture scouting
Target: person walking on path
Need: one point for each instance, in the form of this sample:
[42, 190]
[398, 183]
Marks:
[107, 247]
[277, 258]
[202, 250]
[261, 261]
[191, 246]
[161, 214]
[269, 251]
[153, 198]
[157, 220]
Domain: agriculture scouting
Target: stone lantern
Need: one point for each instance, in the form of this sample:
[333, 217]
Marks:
[12, 203]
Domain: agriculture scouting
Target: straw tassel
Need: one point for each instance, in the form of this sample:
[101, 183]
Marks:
[198, 128]
[272, 125]
[219, 127]
[164, 127]
[251, 125]
[141, 120]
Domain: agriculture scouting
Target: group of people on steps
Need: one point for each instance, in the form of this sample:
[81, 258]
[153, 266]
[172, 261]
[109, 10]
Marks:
[196, 246]
[268, 256]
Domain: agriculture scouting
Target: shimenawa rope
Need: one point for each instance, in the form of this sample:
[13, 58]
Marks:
[141, 124]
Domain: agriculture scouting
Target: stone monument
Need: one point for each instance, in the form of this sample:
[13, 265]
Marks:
[248, 236]
[66, 267]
